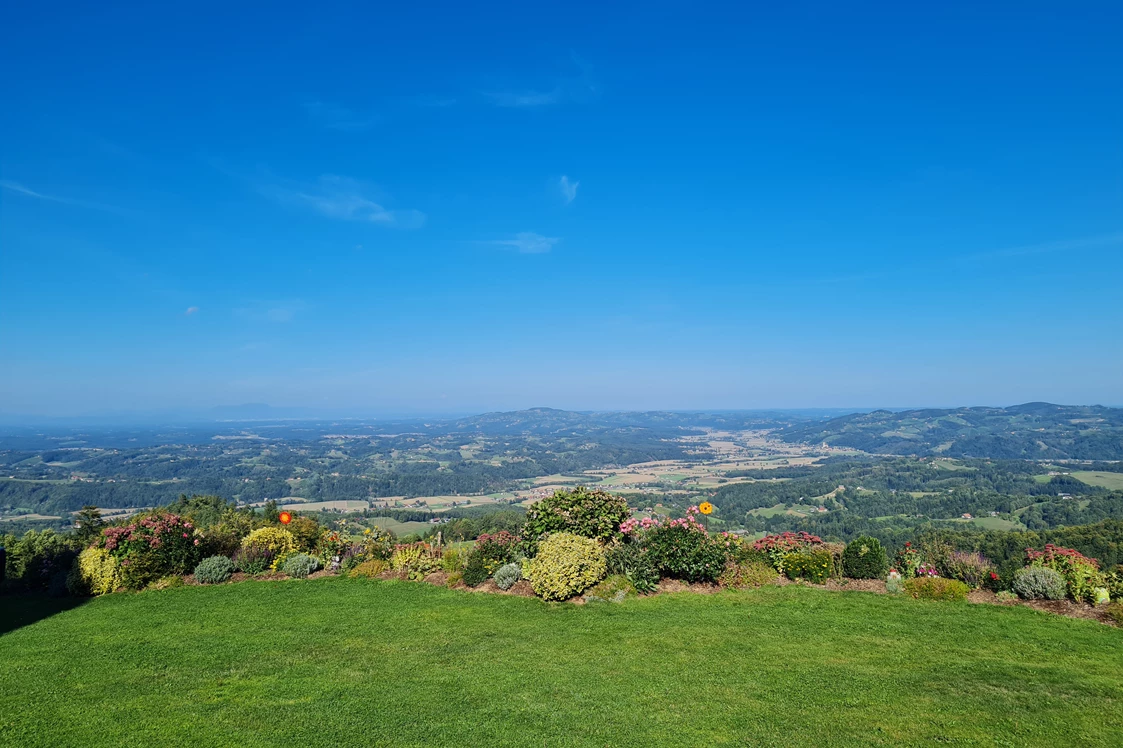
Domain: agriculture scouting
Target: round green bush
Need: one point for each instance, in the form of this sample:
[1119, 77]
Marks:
[214, 570]
[864, 558]
[300, 565]
[507, 575]
[475, 571]
[1039, 583]
[590, 513]
[936, 588]
[566, 565]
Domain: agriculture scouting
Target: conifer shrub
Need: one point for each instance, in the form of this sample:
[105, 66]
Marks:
[95, 572]
[566, 565]
[300, 565]
[936, 588]
[507, 575]
[1039, 583]
[214, 570]
[864, 558]
[475, 571]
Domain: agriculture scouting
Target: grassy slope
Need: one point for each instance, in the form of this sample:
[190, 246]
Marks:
[354, 662]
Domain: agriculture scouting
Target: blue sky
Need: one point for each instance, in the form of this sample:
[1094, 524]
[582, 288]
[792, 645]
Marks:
[403, 208]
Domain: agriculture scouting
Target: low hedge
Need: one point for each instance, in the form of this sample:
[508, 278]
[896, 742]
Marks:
[936, 588]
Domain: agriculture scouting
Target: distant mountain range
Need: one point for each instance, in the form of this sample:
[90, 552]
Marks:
[1029, 431]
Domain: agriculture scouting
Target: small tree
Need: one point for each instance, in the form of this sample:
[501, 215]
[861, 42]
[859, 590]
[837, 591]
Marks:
[89, 523]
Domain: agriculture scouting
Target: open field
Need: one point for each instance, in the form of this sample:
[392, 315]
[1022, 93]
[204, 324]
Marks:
[400, 529]
[1110, 481]
[328, 506]
[343, 662]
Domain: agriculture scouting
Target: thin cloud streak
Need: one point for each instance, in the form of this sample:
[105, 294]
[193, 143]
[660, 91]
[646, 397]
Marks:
[344, 199]
[528, 243]
[20, 189]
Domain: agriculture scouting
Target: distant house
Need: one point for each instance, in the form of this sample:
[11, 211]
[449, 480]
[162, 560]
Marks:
[965, 515]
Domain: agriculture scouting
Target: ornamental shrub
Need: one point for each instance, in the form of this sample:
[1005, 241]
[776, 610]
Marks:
[275, 540]
[305, 532]
[214, 570]
[1114, 581]
[812, 565]
[894, 584]
[475, 572]
[95, 572]
[496, 550]
[1039, 583]
[415, 561]
[1115, 613]
[908, 560]
[777, 547]
[682, 549]
[936, 588]
[152, 546]
[164, 583]
[36, 558]
[1081, 574]
[507, 575]
[590, 513]
[1006, 596]
[300, 565]
[864, 558]
[368, 569]
[253, 560]
[969, 567]
[631, 559]
[613, 589]
[566, 565]
[747, 574]
[452, 560]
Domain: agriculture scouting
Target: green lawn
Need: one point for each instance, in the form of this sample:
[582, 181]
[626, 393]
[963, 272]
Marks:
[336, 662]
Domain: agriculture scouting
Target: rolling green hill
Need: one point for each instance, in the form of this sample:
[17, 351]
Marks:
[1030, 431]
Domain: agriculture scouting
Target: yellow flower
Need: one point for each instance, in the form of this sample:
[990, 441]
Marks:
[705, 507]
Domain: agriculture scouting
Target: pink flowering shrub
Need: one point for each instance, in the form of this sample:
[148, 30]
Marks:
[778, 547]
[152, 546]
[680, 548]
[1081, 574]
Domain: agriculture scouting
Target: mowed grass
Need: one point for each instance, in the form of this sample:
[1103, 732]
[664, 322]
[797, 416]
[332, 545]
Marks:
[336, 662]
[1110, 481]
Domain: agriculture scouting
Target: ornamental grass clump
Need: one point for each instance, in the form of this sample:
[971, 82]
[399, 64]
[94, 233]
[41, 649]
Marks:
[970, 567]
[1039, 583]
[864, 558]
[566, 565]
[368, 569]
[214, 570]
[507, 575]
[300, 566]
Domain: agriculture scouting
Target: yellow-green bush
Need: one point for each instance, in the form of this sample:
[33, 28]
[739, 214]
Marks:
[566, 565]
[95, 572]
[369, 569]
[747, 574]
[276, 540]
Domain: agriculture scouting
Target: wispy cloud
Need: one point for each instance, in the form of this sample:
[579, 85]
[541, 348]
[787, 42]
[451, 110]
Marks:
[335, 117]
[272, 311]
[1064, 245]
[581, 87]
[528, 242]
[191, 310]
[568, 189]
[524, 99]
[20, 189]
[346, 199]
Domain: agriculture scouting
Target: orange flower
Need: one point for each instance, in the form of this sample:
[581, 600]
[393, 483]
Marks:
[705, 507]
[285, 518]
